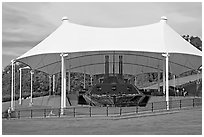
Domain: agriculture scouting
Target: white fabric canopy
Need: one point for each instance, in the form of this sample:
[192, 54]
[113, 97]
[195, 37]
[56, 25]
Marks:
[141, 47]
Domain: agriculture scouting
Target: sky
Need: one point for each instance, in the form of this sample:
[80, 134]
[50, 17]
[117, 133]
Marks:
[24, 25]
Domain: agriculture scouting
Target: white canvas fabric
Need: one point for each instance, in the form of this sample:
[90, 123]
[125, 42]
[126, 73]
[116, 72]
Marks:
[141, 47]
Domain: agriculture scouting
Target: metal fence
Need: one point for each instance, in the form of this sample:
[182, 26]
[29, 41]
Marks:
[91, 111]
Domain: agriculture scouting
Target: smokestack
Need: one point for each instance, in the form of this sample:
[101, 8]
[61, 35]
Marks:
[120, 65]
[106, 66]
[114, 63]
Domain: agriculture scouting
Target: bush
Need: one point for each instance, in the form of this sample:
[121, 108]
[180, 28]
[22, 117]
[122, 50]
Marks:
[5, 114]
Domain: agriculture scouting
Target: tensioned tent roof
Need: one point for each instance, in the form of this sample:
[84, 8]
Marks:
[141, 47]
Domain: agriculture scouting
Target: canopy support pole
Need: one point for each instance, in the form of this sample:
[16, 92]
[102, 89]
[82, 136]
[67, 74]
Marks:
[65, 89]
[20, 96]
[20, 87]
[174, 78]
[163, 75]
[31, 87]
[63, 82]
[142, 81]
[135, 80]
[158, 81]
[50, 84]
[69, 80]
[84, 79]
[197, 83]
[12, 84]
[91, 80]
[167, 81]
[53, 82]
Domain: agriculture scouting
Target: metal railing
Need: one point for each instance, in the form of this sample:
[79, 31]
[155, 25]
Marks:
[91, 111]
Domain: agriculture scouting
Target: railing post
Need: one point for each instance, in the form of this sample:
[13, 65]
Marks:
[107, 111]
[180, 104]
[59, 112]
[44, 112]
[193, 102]
[120, 111]
[136, 109]
[152, 106]
[74, 111]
[18, 114]
[90, 111]
[31, 113]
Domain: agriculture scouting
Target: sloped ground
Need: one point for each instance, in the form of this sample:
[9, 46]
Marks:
[182, 122]
[179, 81]
[45, 101]
[54, 101]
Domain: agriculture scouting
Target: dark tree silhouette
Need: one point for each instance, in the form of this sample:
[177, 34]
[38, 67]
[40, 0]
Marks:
[195, 41]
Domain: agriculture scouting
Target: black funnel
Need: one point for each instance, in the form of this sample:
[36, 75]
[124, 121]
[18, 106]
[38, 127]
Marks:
[120, 65]
[106, 66]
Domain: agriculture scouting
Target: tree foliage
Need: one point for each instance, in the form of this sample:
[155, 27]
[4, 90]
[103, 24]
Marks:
[195, 41]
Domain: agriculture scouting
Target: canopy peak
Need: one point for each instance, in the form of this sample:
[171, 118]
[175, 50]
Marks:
[163, 18]
[64, 19]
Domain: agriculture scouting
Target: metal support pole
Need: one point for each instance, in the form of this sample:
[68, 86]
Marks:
[197, 83]
[50, 85]
[84, 80]
[158, 81]
[135, 81]
[174, 80]
[163, 76]
[20, 87]
[91, 80]
[63, 83]
[167, 80]
[14, 86]
[69, 80]
[12, 83]
[20, 96]
[142, 84]
[31, 87]
[65, 87]
[53, 82]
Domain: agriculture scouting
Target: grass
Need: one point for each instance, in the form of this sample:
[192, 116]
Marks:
[185, 122]
[159, 104]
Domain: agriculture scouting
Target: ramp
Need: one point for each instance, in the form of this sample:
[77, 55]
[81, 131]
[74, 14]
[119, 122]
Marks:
[73, 99]
[91, 102]
[179, 81]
